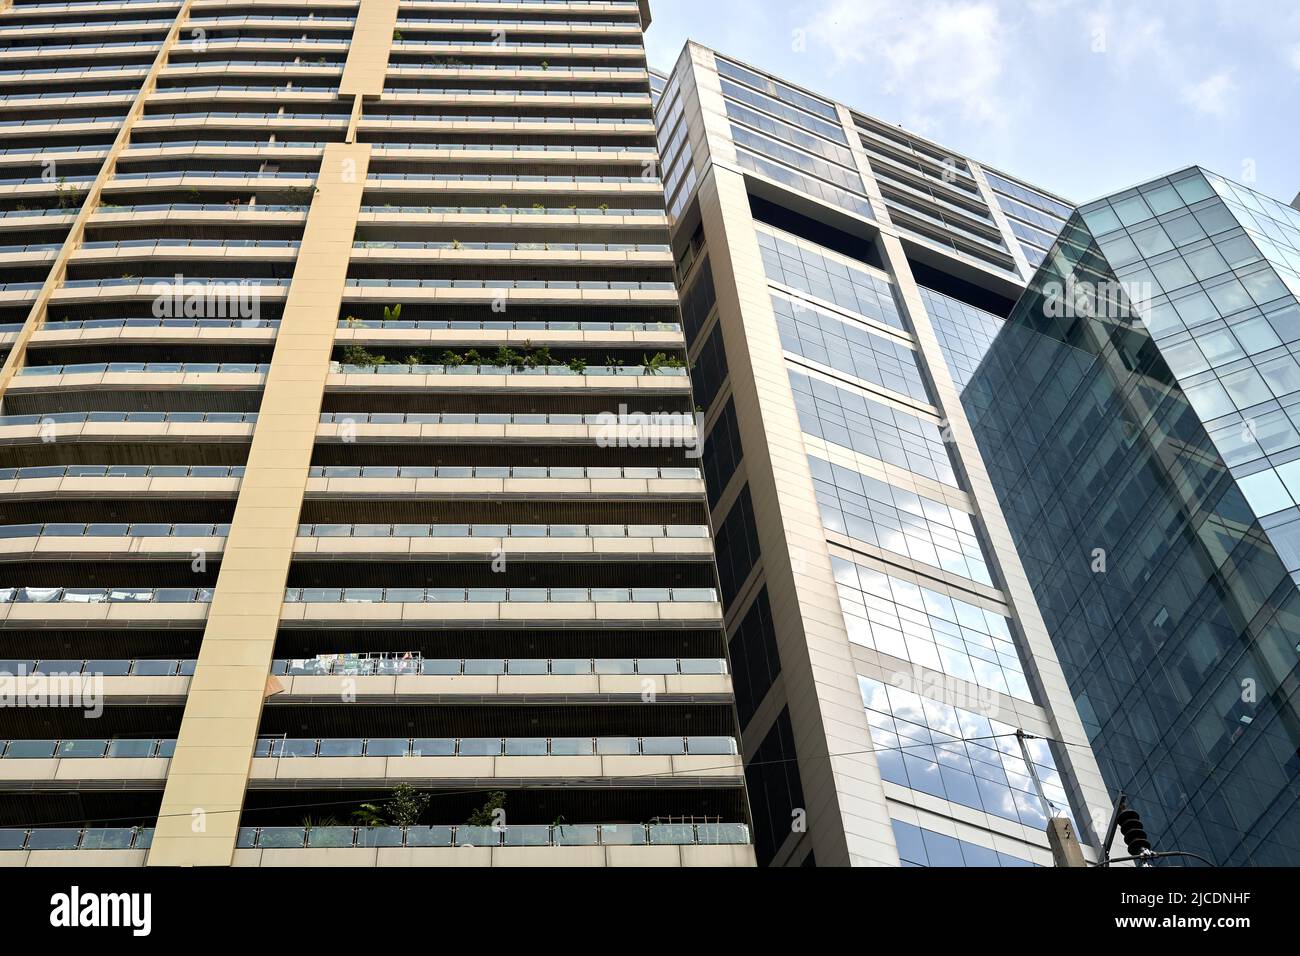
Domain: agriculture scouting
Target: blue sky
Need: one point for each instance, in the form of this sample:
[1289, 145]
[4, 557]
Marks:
[1084, 97]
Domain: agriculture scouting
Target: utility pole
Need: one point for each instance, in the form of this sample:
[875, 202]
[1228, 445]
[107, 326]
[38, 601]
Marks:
[1060, 831]
[1065, 845]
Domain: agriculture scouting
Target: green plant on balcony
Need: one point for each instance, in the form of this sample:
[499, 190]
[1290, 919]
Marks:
[538, 207]
[313, 823]
[65, 194]
[452, 360]
[406, 806]
[359, 356]
[578, 365]
[369, 815]
[654, 364]
[392, 313]
[353, 322]
[397, 34]
[538, 358]
[456, 245]
[486, 815]
[506, 357]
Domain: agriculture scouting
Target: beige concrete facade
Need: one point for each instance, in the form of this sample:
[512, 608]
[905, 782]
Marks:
[384, 193]
[90, 203]
[216, 741]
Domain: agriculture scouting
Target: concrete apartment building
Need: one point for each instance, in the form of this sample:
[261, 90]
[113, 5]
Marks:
[841, 279]
[334, 337]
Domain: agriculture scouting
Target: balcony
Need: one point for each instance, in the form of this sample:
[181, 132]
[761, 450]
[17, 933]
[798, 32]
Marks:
[383, 677]
[386, 542]
[381, 607]
[623, 844]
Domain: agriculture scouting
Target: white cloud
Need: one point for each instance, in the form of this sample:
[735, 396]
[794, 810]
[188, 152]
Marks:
[1129, 38]
[935, 55]
[1214, 95]
[1295, 57]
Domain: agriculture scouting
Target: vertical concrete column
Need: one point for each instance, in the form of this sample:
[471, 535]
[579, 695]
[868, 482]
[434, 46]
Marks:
[1043, 667]
[1004, 224]
[77, 232]
[841, 778]
[208, 776]
[372, 41]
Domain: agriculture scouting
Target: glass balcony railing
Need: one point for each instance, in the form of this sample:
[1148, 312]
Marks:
[106, 530]
[293, 748]
[88, 838]
[384, 665]
[505, 210]
[405, 23]
[503, 472]
[434, 418]
[34, 247]
[152, 244]
[556, 70]
[69, 183]
[598, 285]
[525, 44]
[105, 209]
[15, 98]
[497, 595]
[72, 325]
[102, 748]
[34, 472]
[515, 246]
[410, 665]
[301, 749]
[223, 144]
[59, 595]
[561, 371]
[98, 668]
[487, 325]
[492, 531]
[20, 213]
[214, 174]
[513, 119]
[105, 595]
[618, 834]
[445, 325]
[83, 418]
[181, 368]
[380, 148]
[339, 118]
[439, 92]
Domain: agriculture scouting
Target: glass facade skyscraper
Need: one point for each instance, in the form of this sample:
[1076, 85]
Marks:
[886, 645]
[1140, 417]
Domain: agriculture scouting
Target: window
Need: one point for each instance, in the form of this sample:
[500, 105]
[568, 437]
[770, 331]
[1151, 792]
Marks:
[737, 547]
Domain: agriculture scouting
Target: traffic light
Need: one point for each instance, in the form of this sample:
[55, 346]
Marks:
[1135, 835]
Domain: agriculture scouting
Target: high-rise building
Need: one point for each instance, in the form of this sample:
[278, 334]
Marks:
[841, 278]
[1140, 416]
[351, 511]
